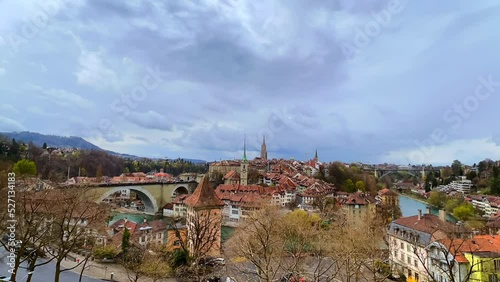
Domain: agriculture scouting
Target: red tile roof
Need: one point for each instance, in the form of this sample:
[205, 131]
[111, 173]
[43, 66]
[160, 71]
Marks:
[204, 196]
[231, 174]
[122, 223]
[387, 192]
[428, 223]
[479, 243]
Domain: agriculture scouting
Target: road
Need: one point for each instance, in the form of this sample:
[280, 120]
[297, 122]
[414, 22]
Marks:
[43, 273]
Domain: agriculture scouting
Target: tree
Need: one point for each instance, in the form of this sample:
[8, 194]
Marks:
[98, 173]
[464, 211]
[495, 181]
[297, 242]
[456, 168]
[24, 168]
[349, 186]
[430, 181]
[327, 206]
[360, 186]
[132, 261]
[125, 240]
[387, 181]
[446, 172]
[105, 252]
[451, 204]
[31, 231]
[204, 232]
[217, 178]
[44, 146]
[471, 175]
[74, 224]
[253, 176]
[258, 241]
[155, 267]
[437, 199]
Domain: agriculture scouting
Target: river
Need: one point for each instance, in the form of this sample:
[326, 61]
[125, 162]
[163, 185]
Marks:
[410, 206]
[135, 217]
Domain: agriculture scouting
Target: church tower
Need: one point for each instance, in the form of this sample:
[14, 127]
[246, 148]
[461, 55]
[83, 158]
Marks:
[244, 166]
[316, 156]
[263, 149]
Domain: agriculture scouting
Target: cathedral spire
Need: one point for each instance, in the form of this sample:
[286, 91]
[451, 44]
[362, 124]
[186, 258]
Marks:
[263, 149]
[316, 155]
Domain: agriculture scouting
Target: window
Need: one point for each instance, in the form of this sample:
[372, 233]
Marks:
[416, 263]
[401, 257]
[497, 265]
[493, 277]
[177, 243]
[234, 212]
[402, 246]
[408, 259]
[408, 248]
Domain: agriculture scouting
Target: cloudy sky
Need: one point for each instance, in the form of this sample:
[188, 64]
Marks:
[372, 81]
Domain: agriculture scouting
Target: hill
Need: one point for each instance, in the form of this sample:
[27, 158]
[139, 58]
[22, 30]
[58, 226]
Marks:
[67, 142]
[51, 140]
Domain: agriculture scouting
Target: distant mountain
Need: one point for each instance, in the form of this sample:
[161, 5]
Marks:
[51, 140]
[67, 142]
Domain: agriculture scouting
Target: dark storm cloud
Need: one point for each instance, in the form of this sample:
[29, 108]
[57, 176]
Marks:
[194, 77]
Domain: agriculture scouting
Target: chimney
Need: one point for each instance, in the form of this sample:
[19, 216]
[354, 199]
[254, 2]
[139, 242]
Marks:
[428, 210]
[419, 214]
[442, 215]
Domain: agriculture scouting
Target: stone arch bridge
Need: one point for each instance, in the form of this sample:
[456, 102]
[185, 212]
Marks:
[153, 195]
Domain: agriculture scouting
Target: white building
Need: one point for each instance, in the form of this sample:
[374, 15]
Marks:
[408, 239]
[463, 185]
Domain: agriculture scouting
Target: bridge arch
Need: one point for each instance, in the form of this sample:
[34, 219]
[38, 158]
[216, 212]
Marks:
[150, 204]
[179, 190]
[394, 171]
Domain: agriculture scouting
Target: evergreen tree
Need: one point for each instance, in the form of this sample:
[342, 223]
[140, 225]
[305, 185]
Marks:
[125, 240]
[495, 181]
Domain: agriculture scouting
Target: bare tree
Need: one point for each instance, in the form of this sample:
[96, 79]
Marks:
[30, 234]
[132, 261]
[259, 241]
[204, 232]
[74, 224]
